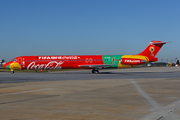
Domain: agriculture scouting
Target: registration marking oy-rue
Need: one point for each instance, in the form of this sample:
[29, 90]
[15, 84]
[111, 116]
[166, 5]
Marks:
[25, 92]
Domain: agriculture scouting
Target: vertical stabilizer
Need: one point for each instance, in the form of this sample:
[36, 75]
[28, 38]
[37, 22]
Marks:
[152, 49]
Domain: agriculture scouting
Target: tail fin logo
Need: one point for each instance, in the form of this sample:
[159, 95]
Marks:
[152, 50]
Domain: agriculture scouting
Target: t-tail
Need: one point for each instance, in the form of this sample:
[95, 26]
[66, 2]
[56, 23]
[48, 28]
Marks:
[152, 49]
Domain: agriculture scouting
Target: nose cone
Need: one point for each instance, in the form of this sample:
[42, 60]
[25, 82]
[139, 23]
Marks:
[7, 65]
[12, 65]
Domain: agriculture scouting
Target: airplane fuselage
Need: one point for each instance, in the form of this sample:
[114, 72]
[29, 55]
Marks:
[76, 61]
[94, 62]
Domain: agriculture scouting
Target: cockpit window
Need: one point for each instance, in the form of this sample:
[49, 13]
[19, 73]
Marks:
[14, 60]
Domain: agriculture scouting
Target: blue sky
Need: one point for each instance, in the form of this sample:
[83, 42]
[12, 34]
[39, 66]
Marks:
[78, 27]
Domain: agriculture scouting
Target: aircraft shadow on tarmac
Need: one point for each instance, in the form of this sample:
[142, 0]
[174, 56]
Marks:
[125, 74]
[122, 73]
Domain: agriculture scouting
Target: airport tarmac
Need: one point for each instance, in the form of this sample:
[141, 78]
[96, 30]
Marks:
[123, 94]
[130, 73]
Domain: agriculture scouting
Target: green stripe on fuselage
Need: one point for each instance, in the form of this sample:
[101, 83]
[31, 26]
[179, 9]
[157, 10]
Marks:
[112, 59]
[7, 67]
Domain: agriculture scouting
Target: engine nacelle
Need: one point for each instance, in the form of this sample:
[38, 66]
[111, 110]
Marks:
[130, 61]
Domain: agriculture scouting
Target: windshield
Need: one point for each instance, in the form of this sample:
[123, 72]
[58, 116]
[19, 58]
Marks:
[14, 60]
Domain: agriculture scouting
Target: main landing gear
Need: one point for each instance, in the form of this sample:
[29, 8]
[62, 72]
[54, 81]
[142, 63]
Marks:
[94, 71]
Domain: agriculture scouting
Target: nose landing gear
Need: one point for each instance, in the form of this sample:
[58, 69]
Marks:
[12, 71]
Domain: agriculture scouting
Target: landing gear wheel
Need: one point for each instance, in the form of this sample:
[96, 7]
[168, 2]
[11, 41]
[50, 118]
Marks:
[95, 71]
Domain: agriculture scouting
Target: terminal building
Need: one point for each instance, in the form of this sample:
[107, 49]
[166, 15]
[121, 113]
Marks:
[2, 61]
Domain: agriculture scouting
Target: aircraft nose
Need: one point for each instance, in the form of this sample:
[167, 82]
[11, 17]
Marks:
[6, 66]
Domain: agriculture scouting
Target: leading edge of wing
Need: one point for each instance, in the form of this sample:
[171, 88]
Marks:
[95, 66]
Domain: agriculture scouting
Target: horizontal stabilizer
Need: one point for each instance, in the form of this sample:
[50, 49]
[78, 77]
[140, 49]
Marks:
[161, 42]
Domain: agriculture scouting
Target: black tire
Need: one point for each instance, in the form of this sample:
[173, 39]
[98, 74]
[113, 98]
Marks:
[95, 71]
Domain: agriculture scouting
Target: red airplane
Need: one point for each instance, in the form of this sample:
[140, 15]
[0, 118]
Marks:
[94, 62]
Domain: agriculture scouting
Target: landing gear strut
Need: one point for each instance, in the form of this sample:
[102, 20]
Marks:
[12, 71]
[95, 71]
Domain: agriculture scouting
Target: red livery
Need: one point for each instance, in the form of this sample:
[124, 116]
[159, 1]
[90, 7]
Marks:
[94, 62]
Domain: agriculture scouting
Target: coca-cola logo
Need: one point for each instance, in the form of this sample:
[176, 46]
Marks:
[50, 65]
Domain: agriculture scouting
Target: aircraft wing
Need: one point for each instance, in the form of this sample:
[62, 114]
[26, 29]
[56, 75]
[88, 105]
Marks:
[96, 66]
